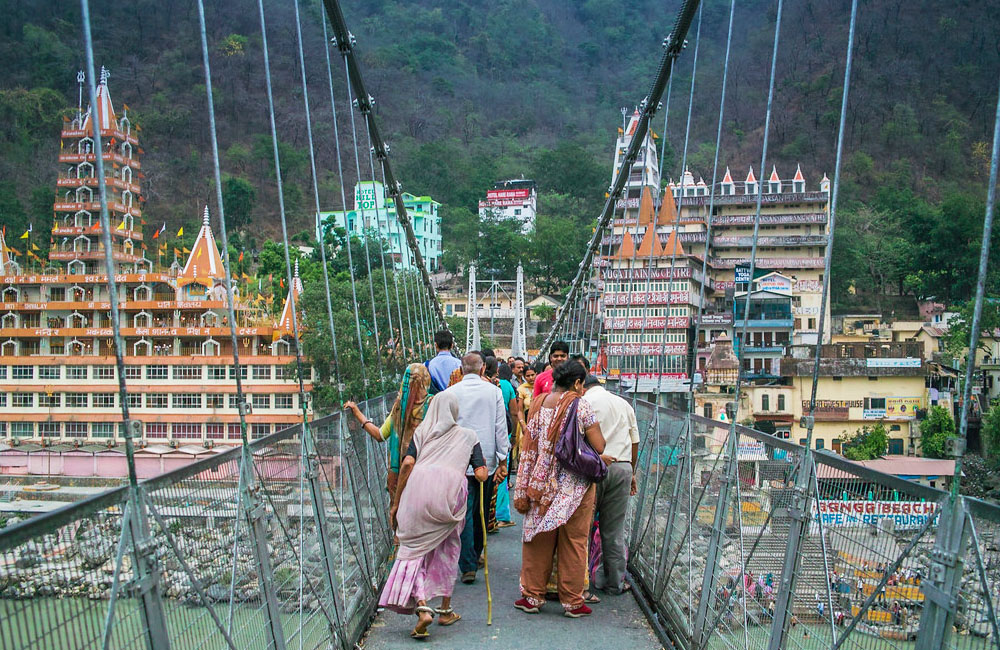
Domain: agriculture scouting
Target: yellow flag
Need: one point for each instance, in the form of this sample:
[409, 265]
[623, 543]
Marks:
[121, 226]
[180, 233]
[25, 235]
[186, 250]
[177, 253]
[34, 247]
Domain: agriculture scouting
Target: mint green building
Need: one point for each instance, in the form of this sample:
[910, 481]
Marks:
[374, 213]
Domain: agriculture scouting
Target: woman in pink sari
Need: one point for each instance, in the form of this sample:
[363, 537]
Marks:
[428, 513]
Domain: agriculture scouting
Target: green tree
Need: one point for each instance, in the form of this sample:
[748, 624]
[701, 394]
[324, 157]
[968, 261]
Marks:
[543, 312]
[239, 197]
[990, 432]
[867, 443]
[570, 169]
[935, 429]
[960, 329]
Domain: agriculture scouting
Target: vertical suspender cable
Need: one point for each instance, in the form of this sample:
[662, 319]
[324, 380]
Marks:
[343, 204]
[401, 342]
[799, 528]
[674, 43]
[715, 544]
[109, 262]
[315, 184]
[404, 263]
[708, 578]
[984, 255]
[381, 249]
[364, 233]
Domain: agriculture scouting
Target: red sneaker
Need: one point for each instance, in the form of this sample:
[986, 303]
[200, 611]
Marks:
[525, 606]
[579, 612]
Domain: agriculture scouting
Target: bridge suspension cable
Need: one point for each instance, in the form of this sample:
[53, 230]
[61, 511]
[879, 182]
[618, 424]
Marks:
[345, 42]
[673, 46]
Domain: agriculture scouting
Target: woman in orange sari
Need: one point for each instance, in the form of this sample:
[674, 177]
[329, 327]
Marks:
[557, 504]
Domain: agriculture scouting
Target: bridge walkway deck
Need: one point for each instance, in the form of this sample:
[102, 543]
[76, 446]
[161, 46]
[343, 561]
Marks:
[617, 621]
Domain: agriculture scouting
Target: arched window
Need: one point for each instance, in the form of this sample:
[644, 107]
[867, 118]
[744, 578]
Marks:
[280, 348]
[9, 348]
[77, 294]
[81, 244]
[76, 319]
[85, 170]
[209, 319]
[9, 320]
[76, 267]
[11, 294]
[127, 174]
[76, 348]
[142, 348]
[142, 319]
[84, 195]
[85, 145]
[142, 292]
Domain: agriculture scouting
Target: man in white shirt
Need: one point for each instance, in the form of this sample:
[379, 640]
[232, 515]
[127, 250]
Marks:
[621, 434]
[481, 409]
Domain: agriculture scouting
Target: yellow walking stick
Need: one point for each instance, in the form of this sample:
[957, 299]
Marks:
[486, 558]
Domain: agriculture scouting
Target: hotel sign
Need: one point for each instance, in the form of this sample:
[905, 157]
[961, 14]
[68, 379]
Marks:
[833, 409]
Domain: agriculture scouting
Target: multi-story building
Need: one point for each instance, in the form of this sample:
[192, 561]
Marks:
[58, 375]
[787, 282]
[859, 384]
[513, 200]
[375, 214]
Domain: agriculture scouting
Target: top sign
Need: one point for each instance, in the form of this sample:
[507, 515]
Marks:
[742, 273]
[508, 194]
[369, 195]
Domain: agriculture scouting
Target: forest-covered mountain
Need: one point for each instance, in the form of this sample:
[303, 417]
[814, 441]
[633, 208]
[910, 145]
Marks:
[472, 91]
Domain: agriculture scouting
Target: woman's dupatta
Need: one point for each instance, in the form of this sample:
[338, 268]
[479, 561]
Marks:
[537, 468]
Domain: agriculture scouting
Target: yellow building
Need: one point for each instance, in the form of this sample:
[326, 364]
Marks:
[859, 384]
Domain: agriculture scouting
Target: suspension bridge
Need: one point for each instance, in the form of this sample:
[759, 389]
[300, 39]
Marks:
[284, 541]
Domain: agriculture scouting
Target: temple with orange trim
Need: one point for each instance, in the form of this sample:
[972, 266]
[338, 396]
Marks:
[651, 282]
[58, 383]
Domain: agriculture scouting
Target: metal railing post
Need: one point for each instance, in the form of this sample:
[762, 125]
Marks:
[941, 586]
[310, 464]
[254, 511]
[715, 542]
[799, 513]
[147, 573]
[659, 580]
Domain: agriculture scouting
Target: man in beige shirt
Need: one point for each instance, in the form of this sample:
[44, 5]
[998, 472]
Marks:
[621, 434]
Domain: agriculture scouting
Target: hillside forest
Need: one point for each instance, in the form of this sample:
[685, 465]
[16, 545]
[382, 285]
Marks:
[470, 92]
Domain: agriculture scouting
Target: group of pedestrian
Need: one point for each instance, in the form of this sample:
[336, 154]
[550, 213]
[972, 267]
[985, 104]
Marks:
[459, 431]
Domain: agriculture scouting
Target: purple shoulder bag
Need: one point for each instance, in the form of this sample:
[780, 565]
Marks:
[574, 452]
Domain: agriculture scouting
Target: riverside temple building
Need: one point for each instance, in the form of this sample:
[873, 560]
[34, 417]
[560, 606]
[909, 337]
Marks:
[58, 377]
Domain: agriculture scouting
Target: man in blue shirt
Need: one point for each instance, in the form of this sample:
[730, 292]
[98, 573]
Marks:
[445, 363]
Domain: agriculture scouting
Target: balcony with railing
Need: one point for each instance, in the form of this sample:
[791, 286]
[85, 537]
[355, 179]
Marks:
[890, 358]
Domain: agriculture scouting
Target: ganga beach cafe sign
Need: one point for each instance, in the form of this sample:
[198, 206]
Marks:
[903, 514]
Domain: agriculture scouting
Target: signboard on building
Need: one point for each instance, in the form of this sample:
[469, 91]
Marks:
[653, 298]
[742, 273]
[873, 414]
[716, 319]
[677, 273]
[902, 408]
[774, 282]
[833, 409]
[905, 362]
[656, 323]
[647, 348]
[369, 195]
[521, 195]
[903, 514]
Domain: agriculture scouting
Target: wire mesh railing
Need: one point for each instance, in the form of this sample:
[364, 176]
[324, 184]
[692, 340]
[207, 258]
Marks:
[869, 561]
[281, 552]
